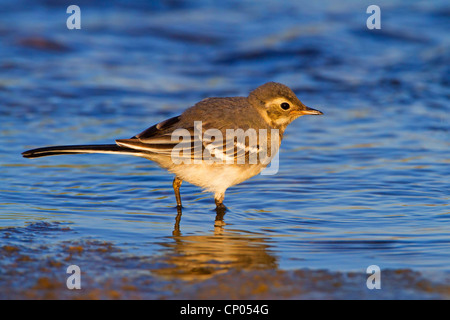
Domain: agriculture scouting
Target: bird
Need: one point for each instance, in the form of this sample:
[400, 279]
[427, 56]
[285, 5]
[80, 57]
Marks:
[192, 146]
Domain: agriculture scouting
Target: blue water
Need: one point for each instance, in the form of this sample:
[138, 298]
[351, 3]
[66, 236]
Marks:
[366, 184]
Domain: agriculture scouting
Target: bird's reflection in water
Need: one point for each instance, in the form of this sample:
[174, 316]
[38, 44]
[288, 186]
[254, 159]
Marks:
[219, 222]
[198, 257]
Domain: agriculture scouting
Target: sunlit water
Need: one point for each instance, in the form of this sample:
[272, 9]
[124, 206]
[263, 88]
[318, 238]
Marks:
[365, 184]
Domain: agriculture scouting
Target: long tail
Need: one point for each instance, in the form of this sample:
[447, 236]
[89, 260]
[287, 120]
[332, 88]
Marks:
[80, 149]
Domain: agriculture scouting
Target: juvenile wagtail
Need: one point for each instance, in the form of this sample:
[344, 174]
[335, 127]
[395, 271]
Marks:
[203, 157]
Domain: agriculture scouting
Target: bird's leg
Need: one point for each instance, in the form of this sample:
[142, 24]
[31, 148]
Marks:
[176, 187]
[218, 198]
[176, 227]
[220, 209]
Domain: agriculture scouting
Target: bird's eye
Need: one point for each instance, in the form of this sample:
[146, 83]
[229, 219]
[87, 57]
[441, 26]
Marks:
[285, 106]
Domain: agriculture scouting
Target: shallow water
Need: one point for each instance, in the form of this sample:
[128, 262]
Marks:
[365, 184]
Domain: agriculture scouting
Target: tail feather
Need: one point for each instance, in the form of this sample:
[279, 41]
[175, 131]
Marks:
[80, 149]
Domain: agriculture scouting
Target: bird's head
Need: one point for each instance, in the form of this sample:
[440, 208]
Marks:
[278, 105]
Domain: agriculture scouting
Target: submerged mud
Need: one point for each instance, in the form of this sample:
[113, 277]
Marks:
[34, 270]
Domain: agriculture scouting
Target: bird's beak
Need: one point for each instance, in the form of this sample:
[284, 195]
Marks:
[306, 110]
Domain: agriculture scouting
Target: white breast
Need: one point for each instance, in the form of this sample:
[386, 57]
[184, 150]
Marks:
[215, 177]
